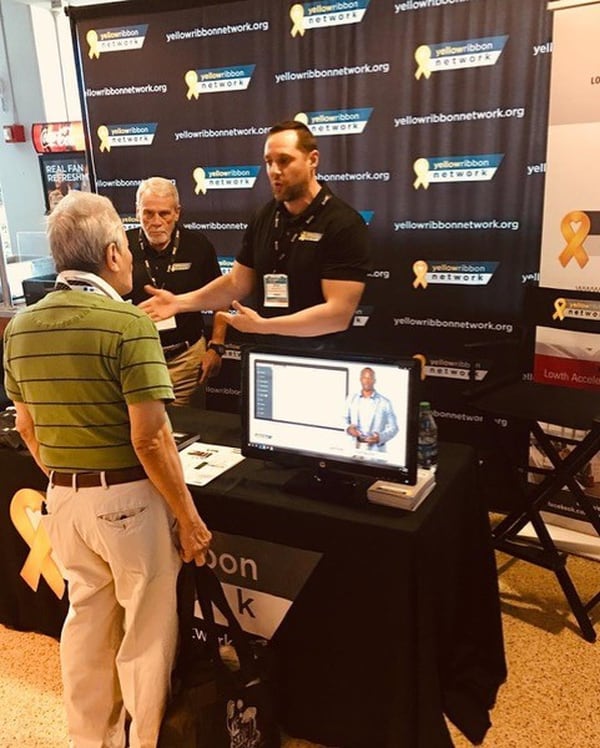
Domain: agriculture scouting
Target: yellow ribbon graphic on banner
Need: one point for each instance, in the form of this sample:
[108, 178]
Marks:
[423, 58]
[39, 561]
[421, 169]
[103, 135]
[301, 117]
[297, 16]
[191, 81]
[560, 306]
[92, 39]
[422, 360]
[420, 268]
[575, 239]
[200, 178]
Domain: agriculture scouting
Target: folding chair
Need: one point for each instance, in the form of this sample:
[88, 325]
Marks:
[530, 404]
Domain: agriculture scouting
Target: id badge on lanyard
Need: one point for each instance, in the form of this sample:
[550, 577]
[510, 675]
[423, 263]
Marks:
[170, 323]
[276, 290]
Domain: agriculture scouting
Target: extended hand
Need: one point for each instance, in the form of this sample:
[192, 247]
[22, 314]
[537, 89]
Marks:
[245, 319]
[162, 304]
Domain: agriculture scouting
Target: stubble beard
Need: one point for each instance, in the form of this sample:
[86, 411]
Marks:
[291, 192]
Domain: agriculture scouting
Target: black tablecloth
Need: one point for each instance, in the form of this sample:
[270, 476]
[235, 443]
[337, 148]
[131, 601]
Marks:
[398, 624]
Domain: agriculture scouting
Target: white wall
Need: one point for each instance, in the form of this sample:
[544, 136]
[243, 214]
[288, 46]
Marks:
[22, 103]
[37, 75]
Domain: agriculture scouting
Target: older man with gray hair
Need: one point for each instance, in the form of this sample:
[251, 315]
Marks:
[87, 375]
[167, 255]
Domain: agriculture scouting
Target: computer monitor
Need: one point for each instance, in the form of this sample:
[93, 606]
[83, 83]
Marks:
[305, 409]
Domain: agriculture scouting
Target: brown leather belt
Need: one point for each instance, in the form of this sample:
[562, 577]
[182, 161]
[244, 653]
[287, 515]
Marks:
[91, 480]
[171, 351]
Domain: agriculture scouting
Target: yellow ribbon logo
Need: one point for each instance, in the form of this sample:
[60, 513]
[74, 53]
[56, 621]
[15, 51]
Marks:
[39, 561]
[421, 169]
[92, 39]
[422, 360]
[560, 306]
[420, 268]
[103, 135]
[575, 239]
[200, 178]
[423, 59]
[297, 16]
[301, 117]
[191, 81]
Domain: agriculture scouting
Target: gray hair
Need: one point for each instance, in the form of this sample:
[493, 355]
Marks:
[80, 228]
[158, 186]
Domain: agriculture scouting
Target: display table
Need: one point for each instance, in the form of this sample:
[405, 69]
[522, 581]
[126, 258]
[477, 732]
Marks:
[398, 624]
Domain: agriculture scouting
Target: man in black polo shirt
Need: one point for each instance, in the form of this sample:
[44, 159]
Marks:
[305, 255]
[168, 256]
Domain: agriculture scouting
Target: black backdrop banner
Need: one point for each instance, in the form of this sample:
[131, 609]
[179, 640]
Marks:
[431, 119]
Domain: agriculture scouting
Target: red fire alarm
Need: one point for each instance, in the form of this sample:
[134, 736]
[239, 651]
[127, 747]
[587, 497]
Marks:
[14, 134]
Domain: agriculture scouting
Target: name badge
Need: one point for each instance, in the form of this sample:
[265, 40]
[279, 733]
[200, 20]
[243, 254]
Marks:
[310, 236]
[166, 324]
[276, 290]
[180, 266]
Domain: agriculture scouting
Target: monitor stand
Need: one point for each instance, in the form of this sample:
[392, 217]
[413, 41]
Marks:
[329, 485]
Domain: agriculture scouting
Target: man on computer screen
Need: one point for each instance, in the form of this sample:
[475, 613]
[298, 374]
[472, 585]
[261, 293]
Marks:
[370, 417]
[305, 255]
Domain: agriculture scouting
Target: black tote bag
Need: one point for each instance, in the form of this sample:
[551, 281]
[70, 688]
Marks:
[221, 693]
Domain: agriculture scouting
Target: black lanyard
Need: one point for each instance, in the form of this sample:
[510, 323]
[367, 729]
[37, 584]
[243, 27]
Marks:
[280, 224]
[147, 265]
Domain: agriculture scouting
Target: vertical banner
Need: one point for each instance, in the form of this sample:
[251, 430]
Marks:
[570, 252]
[430, 117]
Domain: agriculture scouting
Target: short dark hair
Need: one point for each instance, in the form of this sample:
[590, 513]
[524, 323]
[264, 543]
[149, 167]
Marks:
[306, 140]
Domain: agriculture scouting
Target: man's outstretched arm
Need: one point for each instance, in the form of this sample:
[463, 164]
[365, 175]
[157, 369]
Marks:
[333, 315]
[218, 294]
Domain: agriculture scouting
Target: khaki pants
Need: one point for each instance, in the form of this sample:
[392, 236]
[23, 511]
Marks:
[184, 371]
[119, 638]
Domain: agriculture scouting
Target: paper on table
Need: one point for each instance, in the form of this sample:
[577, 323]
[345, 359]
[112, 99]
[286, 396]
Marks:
[203, 462]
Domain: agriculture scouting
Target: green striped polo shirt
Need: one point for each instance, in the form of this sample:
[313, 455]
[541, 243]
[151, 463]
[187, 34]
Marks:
[76, 360]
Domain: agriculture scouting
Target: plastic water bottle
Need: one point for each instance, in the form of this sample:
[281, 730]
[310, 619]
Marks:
[427, 449]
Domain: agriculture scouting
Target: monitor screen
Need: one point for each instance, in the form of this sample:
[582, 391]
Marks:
[330, 412]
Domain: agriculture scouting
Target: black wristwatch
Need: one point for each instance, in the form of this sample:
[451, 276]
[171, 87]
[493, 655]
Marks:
[218, 348]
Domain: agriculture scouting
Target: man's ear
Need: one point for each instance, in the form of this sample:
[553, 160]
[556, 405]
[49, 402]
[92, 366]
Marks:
[112, 257]
[314, 159]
